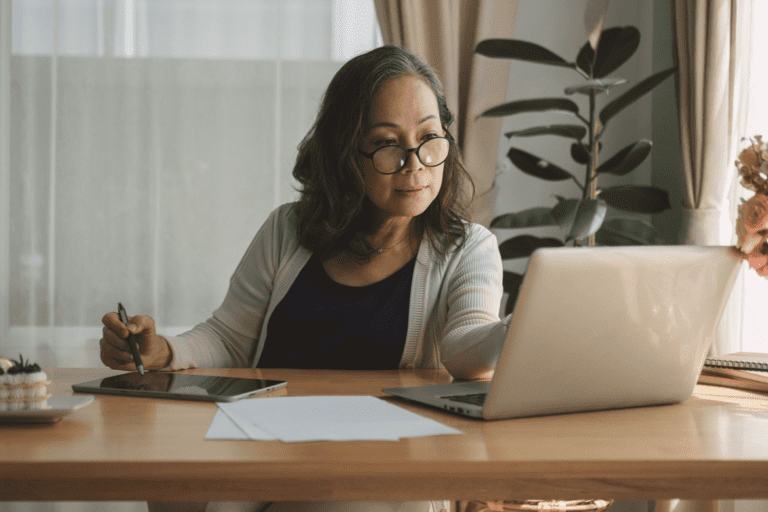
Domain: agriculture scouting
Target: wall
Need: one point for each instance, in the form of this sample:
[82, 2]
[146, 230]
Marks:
[666, 158]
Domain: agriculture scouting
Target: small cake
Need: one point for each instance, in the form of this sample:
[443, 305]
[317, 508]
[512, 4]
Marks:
[23, 386]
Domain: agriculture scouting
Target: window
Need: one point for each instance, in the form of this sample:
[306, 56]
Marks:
[752, 297]
[149, 141]
[317, 30]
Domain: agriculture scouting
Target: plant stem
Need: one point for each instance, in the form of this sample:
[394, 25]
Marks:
[590, 189]
[588, 177]
[582, 73]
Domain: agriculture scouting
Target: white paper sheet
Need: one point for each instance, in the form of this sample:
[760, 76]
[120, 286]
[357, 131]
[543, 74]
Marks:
[320, 418]
[233, 427]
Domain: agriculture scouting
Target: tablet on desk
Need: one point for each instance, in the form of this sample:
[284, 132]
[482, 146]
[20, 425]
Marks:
[180, 386]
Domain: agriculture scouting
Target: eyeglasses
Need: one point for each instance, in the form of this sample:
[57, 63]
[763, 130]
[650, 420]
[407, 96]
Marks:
[392, 159]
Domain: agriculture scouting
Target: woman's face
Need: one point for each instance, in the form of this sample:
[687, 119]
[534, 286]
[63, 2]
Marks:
[404, 113]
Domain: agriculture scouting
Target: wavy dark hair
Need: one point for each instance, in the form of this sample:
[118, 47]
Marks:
[334, 212]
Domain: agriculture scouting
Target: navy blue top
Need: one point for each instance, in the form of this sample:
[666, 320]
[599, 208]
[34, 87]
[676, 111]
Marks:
[321, 324]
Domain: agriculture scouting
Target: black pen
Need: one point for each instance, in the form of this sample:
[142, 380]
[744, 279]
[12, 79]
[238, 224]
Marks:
[131, 342]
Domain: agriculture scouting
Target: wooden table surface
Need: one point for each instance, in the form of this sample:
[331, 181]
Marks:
[129, 448]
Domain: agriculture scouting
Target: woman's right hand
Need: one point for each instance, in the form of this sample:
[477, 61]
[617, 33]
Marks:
[115, 352]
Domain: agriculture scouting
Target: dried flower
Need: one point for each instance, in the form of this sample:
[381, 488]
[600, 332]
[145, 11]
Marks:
[752, 224]
[753, 166]
[758, 260]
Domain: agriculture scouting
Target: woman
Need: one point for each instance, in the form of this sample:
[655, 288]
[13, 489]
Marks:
[375, 267]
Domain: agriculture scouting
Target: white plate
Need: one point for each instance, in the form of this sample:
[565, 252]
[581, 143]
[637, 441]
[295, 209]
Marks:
[59, 406]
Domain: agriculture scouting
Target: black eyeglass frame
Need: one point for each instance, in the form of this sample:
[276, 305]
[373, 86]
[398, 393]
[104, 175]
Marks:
[408, 152]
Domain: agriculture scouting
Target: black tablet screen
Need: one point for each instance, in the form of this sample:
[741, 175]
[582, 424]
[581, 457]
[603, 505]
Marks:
[184, 386]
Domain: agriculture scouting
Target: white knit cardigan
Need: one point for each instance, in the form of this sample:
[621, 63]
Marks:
[453, 319]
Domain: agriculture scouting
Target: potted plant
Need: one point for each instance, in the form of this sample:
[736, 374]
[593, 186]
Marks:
[582, 219]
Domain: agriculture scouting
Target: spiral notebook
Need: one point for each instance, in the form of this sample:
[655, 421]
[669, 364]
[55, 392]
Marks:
[740, 360]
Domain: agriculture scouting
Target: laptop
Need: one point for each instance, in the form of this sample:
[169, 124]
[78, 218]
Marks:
[600, 328]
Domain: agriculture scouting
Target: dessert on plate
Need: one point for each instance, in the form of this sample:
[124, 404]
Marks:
[23, 385]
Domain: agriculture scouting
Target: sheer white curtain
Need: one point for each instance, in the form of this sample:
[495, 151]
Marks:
[142, 144]
[145, 142]
[751, 291]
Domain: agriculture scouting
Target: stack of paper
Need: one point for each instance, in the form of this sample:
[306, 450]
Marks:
[320, 418]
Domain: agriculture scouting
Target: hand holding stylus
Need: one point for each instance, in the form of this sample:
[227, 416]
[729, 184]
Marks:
[131, 341]
[154, 351]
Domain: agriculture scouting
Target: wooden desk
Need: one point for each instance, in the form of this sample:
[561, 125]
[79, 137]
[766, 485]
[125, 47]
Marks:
[123, 448]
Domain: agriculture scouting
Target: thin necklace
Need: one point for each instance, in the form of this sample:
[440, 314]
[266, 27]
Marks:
[380, 250]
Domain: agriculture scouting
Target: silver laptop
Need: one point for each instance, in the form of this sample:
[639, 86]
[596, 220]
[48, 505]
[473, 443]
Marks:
[600, 328]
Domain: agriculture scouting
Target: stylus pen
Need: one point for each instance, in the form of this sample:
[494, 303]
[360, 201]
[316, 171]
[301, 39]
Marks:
[131, 342]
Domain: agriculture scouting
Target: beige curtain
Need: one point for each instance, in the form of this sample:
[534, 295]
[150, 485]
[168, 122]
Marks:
[444, 33]
[710, 84]
[711, 43]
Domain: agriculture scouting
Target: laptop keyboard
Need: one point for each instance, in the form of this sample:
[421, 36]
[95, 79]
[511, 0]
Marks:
[474, 398]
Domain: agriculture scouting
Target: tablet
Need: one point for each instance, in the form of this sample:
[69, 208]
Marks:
[180, 386]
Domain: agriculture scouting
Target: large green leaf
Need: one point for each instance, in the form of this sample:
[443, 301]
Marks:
[529, 218]
[523, 246]
[626, 160]
[585, 60]
[564, 212]
[511, 282]
[632, 95]
[532, 217]
[616, 46]
[628, 232]
[533, 105]
[636, 199]
[520, 50]
[580, 217]
[535, 166]
[598, 84]
[580, 152]
[589, 217]
[571, 131]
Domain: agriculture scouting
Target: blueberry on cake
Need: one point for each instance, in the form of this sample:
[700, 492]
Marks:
[23, 386]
